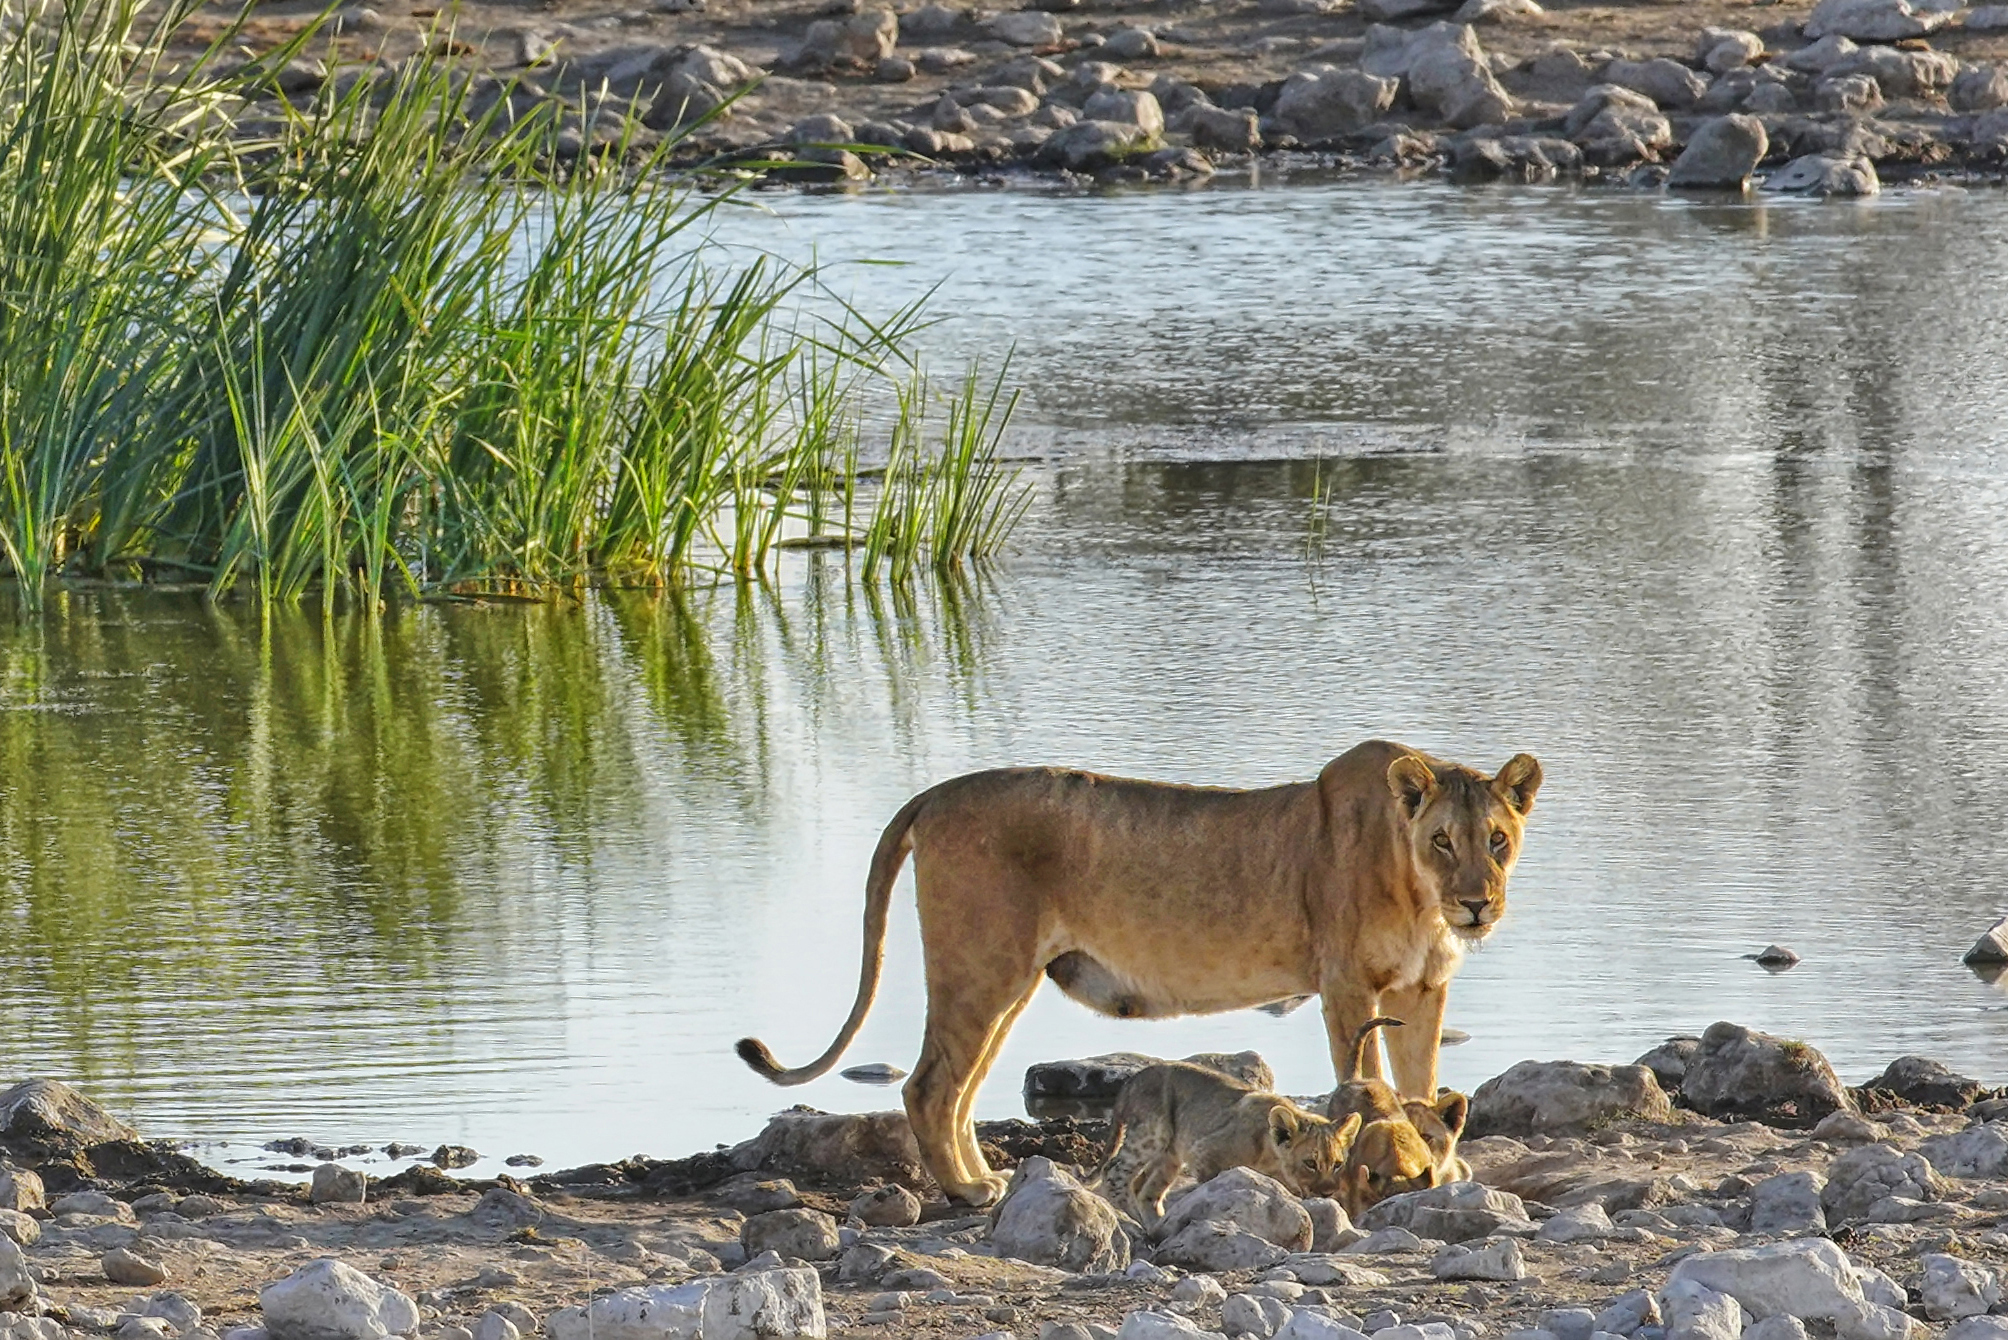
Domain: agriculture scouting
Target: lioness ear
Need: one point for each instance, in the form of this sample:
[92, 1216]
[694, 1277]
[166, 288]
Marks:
[1455, 1110]
[1282, 1124]
[1411, 781]
[1518, 781]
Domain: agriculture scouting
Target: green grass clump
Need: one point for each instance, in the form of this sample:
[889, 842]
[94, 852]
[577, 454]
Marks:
[414, 344]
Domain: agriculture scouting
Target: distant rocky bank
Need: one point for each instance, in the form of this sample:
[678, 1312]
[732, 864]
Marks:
[1827, 99]
[1726, 1186]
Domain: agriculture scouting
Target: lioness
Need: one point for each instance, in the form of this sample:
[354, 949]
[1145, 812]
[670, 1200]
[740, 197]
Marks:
[1148, 899]
[1176, 1117]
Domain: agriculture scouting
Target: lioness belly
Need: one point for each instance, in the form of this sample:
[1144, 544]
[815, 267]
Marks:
[1131, 995]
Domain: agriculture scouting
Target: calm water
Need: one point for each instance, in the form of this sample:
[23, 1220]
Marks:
[1701, 503]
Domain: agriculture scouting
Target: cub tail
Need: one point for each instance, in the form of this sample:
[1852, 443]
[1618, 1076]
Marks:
[1360, 1041]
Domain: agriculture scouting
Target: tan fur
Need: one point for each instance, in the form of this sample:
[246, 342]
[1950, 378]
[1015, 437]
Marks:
[1149, 900]
[1440, 1124]
[1390, 1155]
[1178, 1118]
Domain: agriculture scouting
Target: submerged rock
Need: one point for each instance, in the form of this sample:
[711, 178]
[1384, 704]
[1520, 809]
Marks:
[1992, 947]
[1720, 155]
[1826, 174]
[1100, 1077]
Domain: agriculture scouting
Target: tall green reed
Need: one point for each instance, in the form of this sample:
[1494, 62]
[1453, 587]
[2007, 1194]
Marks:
[411, 347]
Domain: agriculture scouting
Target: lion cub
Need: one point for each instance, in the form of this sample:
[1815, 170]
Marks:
[1176, 1117]
[1402, 1146]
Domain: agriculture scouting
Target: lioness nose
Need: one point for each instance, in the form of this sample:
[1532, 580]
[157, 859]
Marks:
[1477, 906]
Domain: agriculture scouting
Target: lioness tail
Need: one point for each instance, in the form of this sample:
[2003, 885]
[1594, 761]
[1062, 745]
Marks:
[1360, 1040]
[893, 845]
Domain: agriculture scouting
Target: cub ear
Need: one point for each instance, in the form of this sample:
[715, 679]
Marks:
[1455, 1109]
[1282, 1124]
[1349, 1130]
[1518, 781]
[1411, 781]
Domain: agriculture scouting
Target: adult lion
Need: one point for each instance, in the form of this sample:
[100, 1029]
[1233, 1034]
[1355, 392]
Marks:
[1143, 899]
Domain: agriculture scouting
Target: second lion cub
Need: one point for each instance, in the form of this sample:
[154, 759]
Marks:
[1403, 1146]
[1176, 1117]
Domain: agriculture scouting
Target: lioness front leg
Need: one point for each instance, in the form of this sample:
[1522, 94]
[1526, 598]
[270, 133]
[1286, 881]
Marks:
[1348, 1005]
[1412, 1051]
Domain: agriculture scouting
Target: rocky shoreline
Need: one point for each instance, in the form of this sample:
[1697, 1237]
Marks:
[1727, 1185]
[1830, 99]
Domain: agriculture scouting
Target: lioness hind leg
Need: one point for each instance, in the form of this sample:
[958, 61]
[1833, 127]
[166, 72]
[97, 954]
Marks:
[962, 1024]
[973, 1161]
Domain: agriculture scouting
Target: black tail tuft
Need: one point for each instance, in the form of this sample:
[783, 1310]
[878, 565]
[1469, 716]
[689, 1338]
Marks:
[754, 1053]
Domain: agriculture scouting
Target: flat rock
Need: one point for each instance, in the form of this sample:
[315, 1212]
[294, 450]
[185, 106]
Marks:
[1788, 1203]
[1872, 20]
[1217, 1245]
[1454, 1213]
[124, 1266]
[1499, 1259]
[1101, 1077]
[1861, 1177]
[801, 1234]
[1977, 1151]
[1952, 1288]
[1808, 1278]
[658, 1312]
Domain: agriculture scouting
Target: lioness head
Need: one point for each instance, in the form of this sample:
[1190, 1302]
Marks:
[1310, 1150]
[1463, 832]
[1388, 1158]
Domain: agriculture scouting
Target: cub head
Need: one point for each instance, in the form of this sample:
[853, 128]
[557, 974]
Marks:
[1440, 1124]
[1310, 1150]
[1463, 831]
[1388, 1158]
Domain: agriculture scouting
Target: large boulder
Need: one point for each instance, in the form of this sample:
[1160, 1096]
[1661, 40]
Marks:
[24, 1229]
[1977, 1151]
[1872, 20]
[1087, 146]
[1695, 1312]
[1097, 1078]
[1049, 1219]
[1128, 107]
[1452, 81]
[1668, 1061]
[1453, 1213]
[759, 1304]
[1899, 74]
[1025, 28]
[1952, 1288]
[654, 1312]
[1861, 1177]
[49, 1110]
[802, 1142]
[1923, 1082]
[1248, 1200]
[327, 1300]
[1668, 83]
[1564, 1098]
[1323, 105]
[1735, 1072]
[1721, 155]
[1237, 130]
[861, 39]
[1979, 88]
[1788, 1203]
[17, 1282]
[1807, 1278]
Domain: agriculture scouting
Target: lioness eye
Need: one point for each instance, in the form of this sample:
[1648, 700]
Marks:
[1442, 840]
